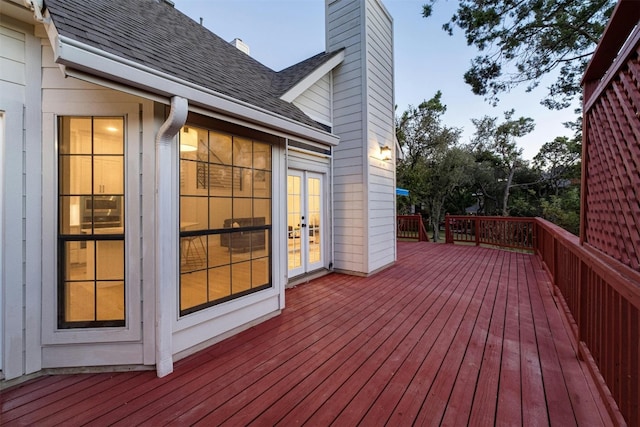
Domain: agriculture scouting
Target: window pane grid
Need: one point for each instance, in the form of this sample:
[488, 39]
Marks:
[225, 233]
[91, 250]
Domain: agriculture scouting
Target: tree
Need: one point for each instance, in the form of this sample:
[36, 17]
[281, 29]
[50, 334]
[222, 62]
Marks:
[448, 170]
[433, 166]
[564, 209]
[524, 40]
[418, 132]
[559, 162]
[419, 129]
[497, 142]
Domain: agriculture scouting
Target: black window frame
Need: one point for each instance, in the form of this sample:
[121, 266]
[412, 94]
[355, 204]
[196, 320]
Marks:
[63, 239]
[232, 130]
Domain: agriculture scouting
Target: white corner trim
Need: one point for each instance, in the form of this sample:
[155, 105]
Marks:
[93, 61]
[313, 77]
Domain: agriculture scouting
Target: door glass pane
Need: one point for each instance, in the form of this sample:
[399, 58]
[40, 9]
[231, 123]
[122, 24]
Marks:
[313, 220]
[293, 221]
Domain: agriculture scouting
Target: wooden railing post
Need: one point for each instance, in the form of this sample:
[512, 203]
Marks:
[424, 236]
[581, 312]
[448, 237]
[476, 221]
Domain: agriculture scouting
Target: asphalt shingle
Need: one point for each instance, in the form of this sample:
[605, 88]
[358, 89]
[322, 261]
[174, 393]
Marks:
[155, 34]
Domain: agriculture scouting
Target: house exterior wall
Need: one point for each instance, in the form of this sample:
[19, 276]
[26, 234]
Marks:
[134, 345]
[34, 92]
[364, 185]
[19, 203]
[316, 101]
[31, 101]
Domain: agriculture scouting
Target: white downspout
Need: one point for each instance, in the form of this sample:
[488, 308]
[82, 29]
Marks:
[166, 244]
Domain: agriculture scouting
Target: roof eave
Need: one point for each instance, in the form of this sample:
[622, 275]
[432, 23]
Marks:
[93, 61]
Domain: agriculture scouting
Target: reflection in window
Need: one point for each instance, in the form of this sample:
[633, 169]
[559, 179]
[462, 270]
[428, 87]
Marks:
[91, 222]
[225, 218]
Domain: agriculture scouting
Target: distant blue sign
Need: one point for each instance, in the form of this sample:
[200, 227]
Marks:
[402, 192]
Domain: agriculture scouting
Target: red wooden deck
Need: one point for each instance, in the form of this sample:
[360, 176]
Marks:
[450, 335]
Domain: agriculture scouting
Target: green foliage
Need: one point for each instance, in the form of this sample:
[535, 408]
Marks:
[420, 131]
[433, 166]
[523, 40]
[564, 209]
[444, 176]
[496, 143]
[559, 162]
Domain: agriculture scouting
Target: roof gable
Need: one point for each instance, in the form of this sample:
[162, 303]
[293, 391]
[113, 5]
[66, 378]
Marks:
[292, 81]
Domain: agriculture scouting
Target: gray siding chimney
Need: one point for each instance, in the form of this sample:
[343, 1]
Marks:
[363, 117]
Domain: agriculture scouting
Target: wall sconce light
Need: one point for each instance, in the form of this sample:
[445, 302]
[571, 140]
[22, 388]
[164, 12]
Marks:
[188, 139]
[385, 153]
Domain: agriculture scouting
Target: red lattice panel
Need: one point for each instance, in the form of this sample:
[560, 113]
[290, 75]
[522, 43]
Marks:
[612, 172]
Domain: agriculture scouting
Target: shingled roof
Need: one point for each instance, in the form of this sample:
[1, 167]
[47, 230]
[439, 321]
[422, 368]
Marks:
[155, 34]
[290, 76]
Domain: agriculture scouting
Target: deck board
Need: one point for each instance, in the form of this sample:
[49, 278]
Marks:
[450, 335]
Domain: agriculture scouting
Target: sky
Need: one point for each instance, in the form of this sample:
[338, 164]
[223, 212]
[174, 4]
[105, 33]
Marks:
[281, 33]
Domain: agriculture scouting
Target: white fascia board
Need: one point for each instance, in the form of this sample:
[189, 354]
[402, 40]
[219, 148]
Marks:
[313, 77]
[73, 54]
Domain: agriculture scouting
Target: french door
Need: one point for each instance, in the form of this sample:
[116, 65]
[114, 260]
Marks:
[305, 222]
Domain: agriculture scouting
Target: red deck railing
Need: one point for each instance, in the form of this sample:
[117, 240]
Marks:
[411, 227]
[603, 297]
[513, 233]
[600, 295]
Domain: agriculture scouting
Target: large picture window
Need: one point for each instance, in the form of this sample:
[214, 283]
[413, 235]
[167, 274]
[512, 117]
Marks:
[91, 250]
[225, 217]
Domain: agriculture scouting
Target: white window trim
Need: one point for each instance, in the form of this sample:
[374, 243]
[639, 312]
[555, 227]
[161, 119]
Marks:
[133, 329]
[278, 199]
